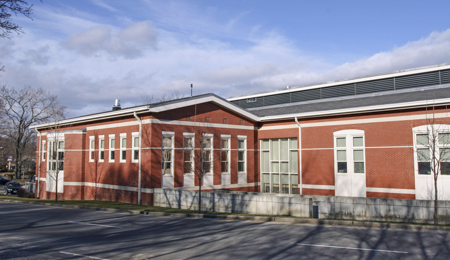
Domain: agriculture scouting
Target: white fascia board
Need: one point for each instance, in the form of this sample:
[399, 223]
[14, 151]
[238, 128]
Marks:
[213, 99]
[101, 116]
[343, 82]
[346, 111]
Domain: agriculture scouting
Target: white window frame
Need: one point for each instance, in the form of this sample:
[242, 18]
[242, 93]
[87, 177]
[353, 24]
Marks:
[44, 150]
[244, 150]
[171, 135]
[134, 147]
[55, 139]
[123, 149]
[191, 149]
[290, 173]
[349, 148]
[91, 148]
[211, 151]
[111, 149]
[100, 148]
[428, 129]
[225, 149]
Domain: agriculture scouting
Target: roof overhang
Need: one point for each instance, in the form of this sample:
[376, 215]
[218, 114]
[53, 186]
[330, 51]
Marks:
[358, 110]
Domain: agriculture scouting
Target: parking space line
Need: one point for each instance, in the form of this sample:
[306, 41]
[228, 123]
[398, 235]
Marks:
[355, 248]
[91, 224]
[91, 257]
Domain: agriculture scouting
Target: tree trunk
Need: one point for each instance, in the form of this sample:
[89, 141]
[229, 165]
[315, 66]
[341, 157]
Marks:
[56, 188]
[200, 195]
[435, 201]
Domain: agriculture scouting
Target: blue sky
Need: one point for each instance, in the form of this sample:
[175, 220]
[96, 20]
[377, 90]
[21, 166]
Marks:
[90, 52]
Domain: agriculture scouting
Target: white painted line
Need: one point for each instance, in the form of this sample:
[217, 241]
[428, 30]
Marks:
[91, 257]
[90, 224]
[355, 248]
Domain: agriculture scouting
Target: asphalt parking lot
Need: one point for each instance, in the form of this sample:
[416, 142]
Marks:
[44, 232]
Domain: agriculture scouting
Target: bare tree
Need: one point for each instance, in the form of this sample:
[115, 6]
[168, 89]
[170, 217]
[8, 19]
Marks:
[8, 8]
[433, 154]
[56, 144]
[97, 164]
[149, 99]
[22, 108]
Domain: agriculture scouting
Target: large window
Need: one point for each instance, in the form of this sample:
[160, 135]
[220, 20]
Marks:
[112, 147]
[91, 148]
[432, 145]
[101, 148]
[123, 147]
[167, 152]
[349, 152]
[44, 150]
[225, 154]
[242, 153]
[56, 158]
[279, 165]
[188, 153]
[135, 152]
[207, 153]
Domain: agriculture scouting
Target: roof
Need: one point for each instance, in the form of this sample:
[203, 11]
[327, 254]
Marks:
[154, 108]
[381, 101]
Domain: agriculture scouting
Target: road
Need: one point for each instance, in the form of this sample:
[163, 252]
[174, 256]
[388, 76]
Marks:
[42, 232]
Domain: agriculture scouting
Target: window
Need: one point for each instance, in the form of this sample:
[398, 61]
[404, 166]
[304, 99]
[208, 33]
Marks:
[91, 148]
[135, 153]
[207, 119]
[56, 158]
[207, 153]
[251, 100]
[167, 152]
[112, 146]
[349, 151]
[44, 150]
[225, 120]
[101, 148]
[123, 147]
[242, 122]
[242, 153]
[279, 165]
[432, 144]
[225, 154]
[188, 153]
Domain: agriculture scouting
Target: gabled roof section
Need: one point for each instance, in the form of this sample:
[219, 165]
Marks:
[190, 101]
[154, 108]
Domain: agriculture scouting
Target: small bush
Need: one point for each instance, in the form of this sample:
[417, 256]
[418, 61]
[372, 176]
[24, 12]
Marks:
[21, 193]
[30, 195]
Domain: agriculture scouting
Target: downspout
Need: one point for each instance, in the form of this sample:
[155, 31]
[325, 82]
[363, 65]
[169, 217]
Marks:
[140, 157]
[300, 152]
[39, 165]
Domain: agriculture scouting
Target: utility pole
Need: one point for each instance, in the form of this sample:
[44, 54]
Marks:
[191, 89]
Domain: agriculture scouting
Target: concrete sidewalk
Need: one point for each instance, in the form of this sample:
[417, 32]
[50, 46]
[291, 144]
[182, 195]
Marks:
[279, 219]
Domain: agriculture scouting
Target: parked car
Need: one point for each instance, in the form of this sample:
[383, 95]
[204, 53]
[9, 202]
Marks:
[3, 180]
[12, 187]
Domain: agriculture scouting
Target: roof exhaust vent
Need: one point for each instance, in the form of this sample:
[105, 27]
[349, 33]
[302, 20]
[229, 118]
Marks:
[116, 105]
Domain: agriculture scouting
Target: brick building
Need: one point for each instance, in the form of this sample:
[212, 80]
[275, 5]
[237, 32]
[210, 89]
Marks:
[376, 136]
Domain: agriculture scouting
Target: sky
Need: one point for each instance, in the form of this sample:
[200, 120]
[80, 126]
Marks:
[91, 52]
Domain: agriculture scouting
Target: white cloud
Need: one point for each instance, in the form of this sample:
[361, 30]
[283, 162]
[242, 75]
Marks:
[129, 42]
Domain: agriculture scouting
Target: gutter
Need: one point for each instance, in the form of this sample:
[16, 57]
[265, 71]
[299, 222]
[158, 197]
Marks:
[39, 165]
[140, 158]
[299, 152]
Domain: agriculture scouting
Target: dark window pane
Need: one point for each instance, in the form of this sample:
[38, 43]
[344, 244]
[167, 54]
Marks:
[188, 167]
[112, 155]
[240, 155]
[61, 166]
[342, 167]
[124, 155]
[206, 167]
[445, 168]
[61, 156]
[285, 188]
[102, 155]
[359, 167]
[241, 167]
[136, 155]
[224, 166]
[424, 168]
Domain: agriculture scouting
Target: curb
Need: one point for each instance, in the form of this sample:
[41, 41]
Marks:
[287, 220]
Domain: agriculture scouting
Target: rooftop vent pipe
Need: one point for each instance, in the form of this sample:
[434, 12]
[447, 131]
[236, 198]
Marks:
[116, 105]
